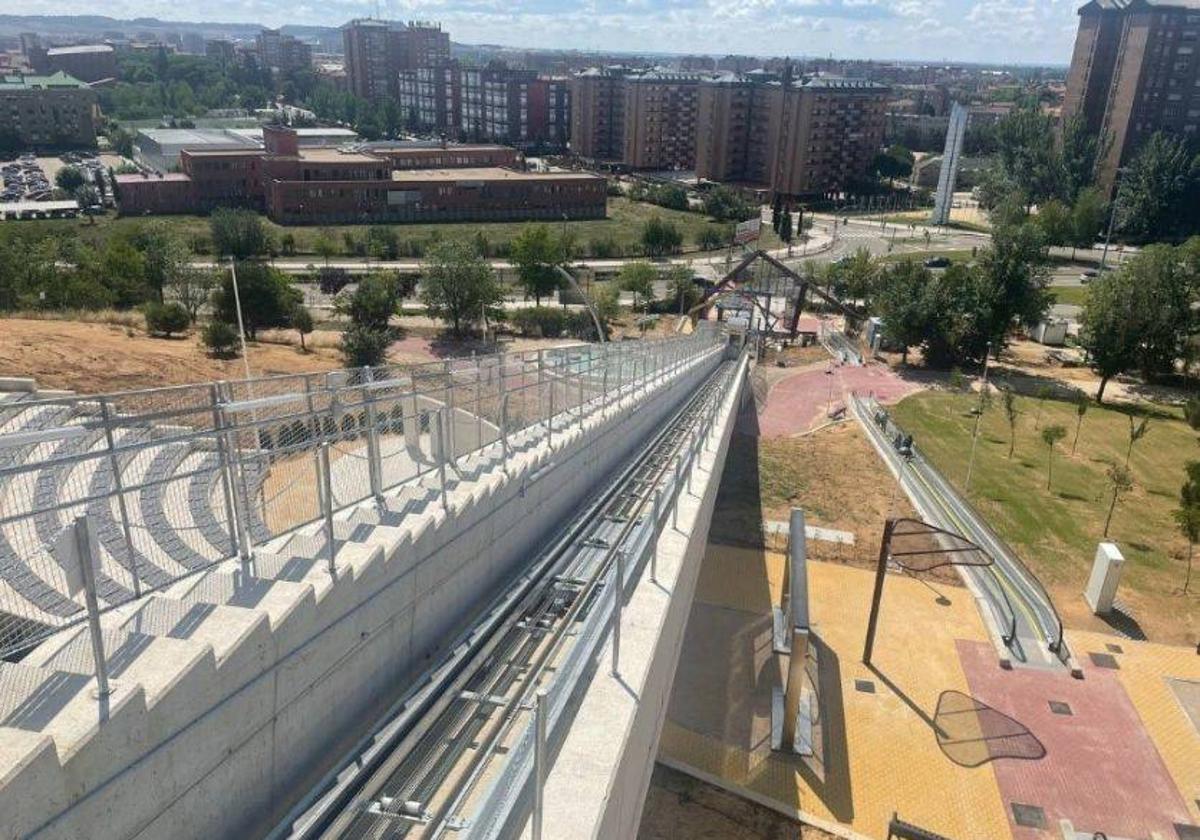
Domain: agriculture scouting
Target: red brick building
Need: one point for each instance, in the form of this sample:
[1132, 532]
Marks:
[295, 185]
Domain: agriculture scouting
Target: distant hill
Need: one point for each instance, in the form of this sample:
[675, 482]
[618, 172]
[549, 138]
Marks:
[96, 26]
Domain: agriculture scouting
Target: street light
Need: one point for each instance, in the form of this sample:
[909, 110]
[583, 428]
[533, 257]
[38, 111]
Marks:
[1112, 215]
[237, 305]
[978, 416]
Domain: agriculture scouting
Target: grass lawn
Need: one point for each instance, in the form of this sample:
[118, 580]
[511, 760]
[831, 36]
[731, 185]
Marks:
[623, 226]
[1075, 295]
[1056, 531]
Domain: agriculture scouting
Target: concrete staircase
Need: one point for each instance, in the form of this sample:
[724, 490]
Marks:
[235, 687]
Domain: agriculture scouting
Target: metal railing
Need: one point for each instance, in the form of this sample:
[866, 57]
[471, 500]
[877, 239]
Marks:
[1034, 593]
[174, 480]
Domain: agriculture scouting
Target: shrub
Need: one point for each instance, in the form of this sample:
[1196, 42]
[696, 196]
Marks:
[604, 248]
[712, 237]
[221, 339]
[364, 346]
[332, 280]
[166, 318]
[543, 321]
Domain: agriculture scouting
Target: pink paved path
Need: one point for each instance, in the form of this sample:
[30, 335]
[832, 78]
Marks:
[799, 402]
[1101, 771]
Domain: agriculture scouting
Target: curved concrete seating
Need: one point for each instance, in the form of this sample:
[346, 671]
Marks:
[173, 522]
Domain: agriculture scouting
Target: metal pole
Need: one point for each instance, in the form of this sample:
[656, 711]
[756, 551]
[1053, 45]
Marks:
[223, 461]
[237, 303]
[327, 488]
[978, 417]
[541, 711]
[618, 591]
[83, 546]
[504, 429]
[676, 490]
[877, 595]
[441, 456]
[115, 466]
[374, 457]
[653, 548]
[550, 419]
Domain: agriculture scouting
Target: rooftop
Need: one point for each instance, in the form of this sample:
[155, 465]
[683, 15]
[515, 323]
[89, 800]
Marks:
[80, 49]
[137, 177]
[484, 173]
[328, 154]
[196, 137]
[57, 80]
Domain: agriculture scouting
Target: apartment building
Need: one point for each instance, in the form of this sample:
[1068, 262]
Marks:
[794, 137]
[660, 120]
[1135, 71]
[48, 112]
[737, 129]
[282, 52]
[830, 130]
[494, 103]
[378, 50]
[598, 114]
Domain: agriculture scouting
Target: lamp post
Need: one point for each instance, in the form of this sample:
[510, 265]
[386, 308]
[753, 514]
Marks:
[237, 305]
[978, 416]
[1112, 216]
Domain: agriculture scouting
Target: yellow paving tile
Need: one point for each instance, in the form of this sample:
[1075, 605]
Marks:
[883, 756]
[1145, 671]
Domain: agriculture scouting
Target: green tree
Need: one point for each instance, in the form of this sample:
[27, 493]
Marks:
[325, 244]
[69, 179]
[638, 277]
[237, 233]
[1157, 197]
[459, 285]
[681, 291]
[712, 237]
[660, 237]
[1081, 406]
[1087, 218]
[302, 323]
[383, 242]
[166, 256]
[901, 303]
[191, 288]
[1079, 150]
[221, 339]
[1044, 392]
[537, 256]
[726, 204]
[1028, 157]
[267, 295]
[1120, 482]
[894, 162]
[1011, 413]
[373, 302]
[1014, 280]
[1187, 515]
[1055, 222]
[1051, 435]
[1108, 332]
[364, 347]
[1137, 431]
[165, 319]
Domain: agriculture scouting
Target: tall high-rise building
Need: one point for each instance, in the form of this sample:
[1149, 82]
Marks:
[598, 113]
[660, 120]
[1135, 71]
[371, 63]
[793, 137]
[378, 50]
[495, 103]
[282, 52]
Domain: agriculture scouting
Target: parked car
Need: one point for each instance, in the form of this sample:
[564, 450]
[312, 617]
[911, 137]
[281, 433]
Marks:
[937, 262]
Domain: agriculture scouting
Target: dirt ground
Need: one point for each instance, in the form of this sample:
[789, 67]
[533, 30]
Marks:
[833, 474]
[679, 806]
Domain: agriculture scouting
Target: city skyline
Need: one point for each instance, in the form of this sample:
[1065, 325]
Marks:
[1028, 32]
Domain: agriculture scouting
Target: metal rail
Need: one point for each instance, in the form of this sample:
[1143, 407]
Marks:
[1008, 580]
[430, 762]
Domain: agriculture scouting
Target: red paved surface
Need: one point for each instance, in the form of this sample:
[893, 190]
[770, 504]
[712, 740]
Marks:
[1101, 770]
[799, 402]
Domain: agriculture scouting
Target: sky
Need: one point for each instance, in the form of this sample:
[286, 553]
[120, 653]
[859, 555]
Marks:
[984, 31]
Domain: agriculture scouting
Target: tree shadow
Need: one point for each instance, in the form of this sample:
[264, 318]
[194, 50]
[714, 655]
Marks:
[971, 733]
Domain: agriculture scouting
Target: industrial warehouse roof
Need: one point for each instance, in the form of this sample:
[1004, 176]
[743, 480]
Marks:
[196, 137]
[484, 173]
[80, 49]
[57, 80]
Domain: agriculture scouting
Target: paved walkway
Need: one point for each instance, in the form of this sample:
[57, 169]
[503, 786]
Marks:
[937, 730]
[799, 402]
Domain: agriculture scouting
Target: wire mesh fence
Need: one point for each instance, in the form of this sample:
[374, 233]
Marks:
[173, 480]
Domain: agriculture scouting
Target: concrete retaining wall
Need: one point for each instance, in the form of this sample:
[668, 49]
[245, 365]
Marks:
[283, 672]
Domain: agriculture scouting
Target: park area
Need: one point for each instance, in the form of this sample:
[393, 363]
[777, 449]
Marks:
[1056, 530]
